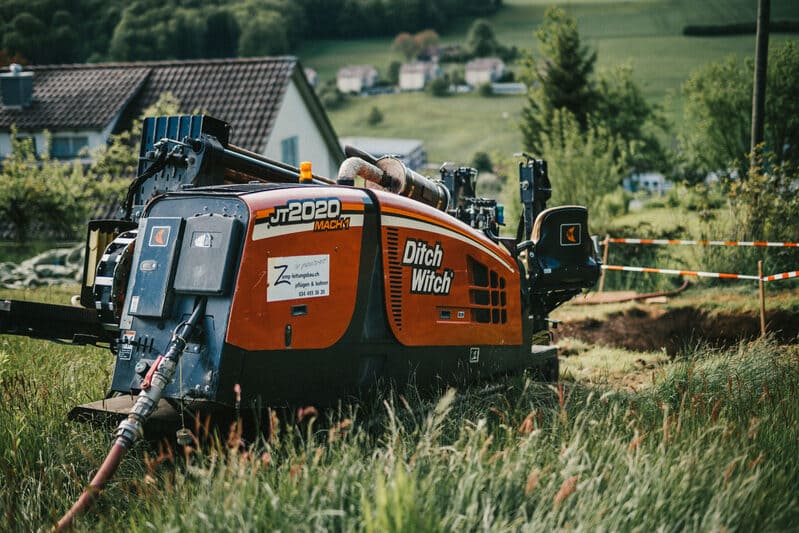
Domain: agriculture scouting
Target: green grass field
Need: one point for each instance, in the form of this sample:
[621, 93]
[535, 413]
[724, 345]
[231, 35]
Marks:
[704, 442]
[645, 34]
[449, 133]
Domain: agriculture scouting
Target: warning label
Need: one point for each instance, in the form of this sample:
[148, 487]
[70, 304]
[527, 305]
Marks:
[299, 276]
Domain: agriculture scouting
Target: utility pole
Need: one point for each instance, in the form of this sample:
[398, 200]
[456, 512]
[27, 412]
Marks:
[759, 91]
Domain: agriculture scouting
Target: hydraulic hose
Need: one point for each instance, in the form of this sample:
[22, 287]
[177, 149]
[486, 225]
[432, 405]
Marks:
[131, 428]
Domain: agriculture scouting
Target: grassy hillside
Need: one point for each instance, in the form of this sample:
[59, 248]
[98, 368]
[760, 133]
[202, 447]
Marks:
[453, 128]
[643, 33]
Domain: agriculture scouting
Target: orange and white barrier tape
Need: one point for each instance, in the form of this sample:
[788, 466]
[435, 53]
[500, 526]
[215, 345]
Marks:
[699, 274]
[784, 275]
[620, 240]
[680, 272]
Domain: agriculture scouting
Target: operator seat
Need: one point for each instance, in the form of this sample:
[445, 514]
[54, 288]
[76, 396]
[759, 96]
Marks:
[562, 254]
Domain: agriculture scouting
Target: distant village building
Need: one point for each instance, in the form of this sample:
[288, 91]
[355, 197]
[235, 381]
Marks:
[509, 88]
[652, 182]
[355, 79]
[414, 76]
[268, 101]
[312, 76]
[409, 151]
[484, 70]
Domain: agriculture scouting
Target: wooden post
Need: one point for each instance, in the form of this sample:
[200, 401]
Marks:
[604, 262]
[762, 299]
[759, 86]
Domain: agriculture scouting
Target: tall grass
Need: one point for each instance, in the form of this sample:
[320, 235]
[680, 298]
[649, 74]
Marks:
[711, 444]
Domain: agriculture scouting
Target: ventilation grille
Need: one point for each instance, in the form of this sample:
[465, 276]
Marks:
[487, 294]
[394, 276]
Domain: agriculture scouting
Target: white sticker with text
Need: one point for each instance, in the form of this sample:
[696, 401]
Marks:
[299, 276]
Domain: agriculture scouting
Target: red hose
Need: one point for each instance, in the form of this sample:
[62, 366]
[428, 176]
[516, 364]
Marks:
[96, 485]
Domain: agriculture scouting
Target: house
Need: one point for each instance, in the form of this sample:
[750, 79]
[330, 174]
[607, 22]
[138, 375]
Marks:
[355, 79]
[268, 101]
[652, 182]
[509, 88]
[312, 76]
[484, 70]
[414, 76]
[409, 151]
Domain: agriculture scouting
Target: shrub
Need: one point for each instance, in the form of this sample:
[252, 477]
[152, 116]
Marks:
[374, 117]
[482, 162]
[485, 89]
[331, 97]
[764, 207]
[439, 86]
[38, 193]
[582, 166]
[612, 204]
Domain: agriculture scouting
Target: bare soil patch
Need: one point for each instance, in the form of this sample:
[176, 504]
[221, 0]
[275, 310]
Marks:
[643, 328]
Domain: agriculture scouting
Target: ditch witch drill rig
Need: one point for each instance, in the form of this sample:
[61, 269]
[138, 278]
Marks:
[232, 271]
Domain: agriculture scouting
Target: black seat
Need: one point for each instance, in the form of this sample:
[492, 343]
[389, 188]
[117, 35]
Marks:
[562, 255]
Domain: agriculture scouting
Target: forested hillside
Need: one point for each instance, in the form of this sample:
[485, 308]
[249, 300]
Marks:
[59, 31]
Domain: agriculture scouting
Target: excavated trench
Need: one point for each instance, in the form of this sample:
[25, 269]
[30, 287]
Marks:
[644, 329]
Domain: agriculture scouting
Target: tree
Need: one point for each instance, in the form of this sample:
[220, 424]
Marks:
[120, 156]
[393, 72]
[561, 80]
[405, 44]
[264, 34]
[439, 86]
[622, 110]
[482, 162]
[40, 193]
[221, 34]
[426, 39]
[374, 117]
[582, 165]
[715, 134]
[481, 41]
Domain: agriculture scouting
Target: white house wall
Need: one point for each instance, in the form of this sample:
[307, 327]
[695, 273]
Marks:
[294, 119]
[412, 81]
[96, 138]
[349, 84]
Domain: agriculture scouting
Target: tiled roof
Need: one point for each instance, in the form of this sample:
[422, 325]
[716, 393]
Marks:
[75, 97]
[356, 71]
[245, 92]
[380, 146]
[485, 63]
[417, 66]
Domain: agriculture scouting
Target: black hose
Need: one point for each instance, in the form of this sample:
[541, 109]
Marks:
[157, 166]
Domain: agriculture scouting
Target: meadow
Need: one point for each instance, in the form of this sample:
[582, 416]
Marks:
[644, 34]
[705, 440]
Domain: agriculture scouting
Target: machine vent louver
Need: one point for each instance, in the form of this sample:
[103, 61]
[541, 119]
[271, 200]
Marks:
[394, 276]
[487, 294]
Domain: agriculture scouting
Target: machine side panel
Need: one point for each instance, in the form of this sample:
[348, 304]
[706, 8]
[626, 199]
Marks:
[298, 278]
[446, 284]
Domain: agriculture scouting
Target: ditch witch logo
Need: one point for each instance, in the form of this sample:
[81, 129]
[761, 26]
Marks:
[425, 261]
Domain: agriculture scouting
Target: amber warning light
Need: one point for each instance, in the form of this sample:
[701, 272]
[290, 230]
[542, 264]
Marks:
[306, 176]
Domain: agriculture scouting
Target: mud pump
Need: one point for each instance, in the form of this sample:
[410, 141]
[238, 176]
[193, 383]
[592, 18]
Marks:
[229, 271]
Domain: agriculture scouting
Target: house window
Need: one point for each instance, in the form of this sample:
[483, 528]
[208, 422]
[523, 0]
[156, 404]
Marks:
[67, 147]
[290, 149]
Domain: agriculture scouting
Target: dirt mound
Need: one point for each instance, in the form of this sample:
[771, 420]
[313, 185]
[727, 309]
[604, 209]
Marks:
[643, 329]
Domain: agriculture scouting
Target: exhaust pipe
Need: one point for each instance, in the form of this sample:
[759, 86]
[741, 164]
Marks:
[390, 174]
